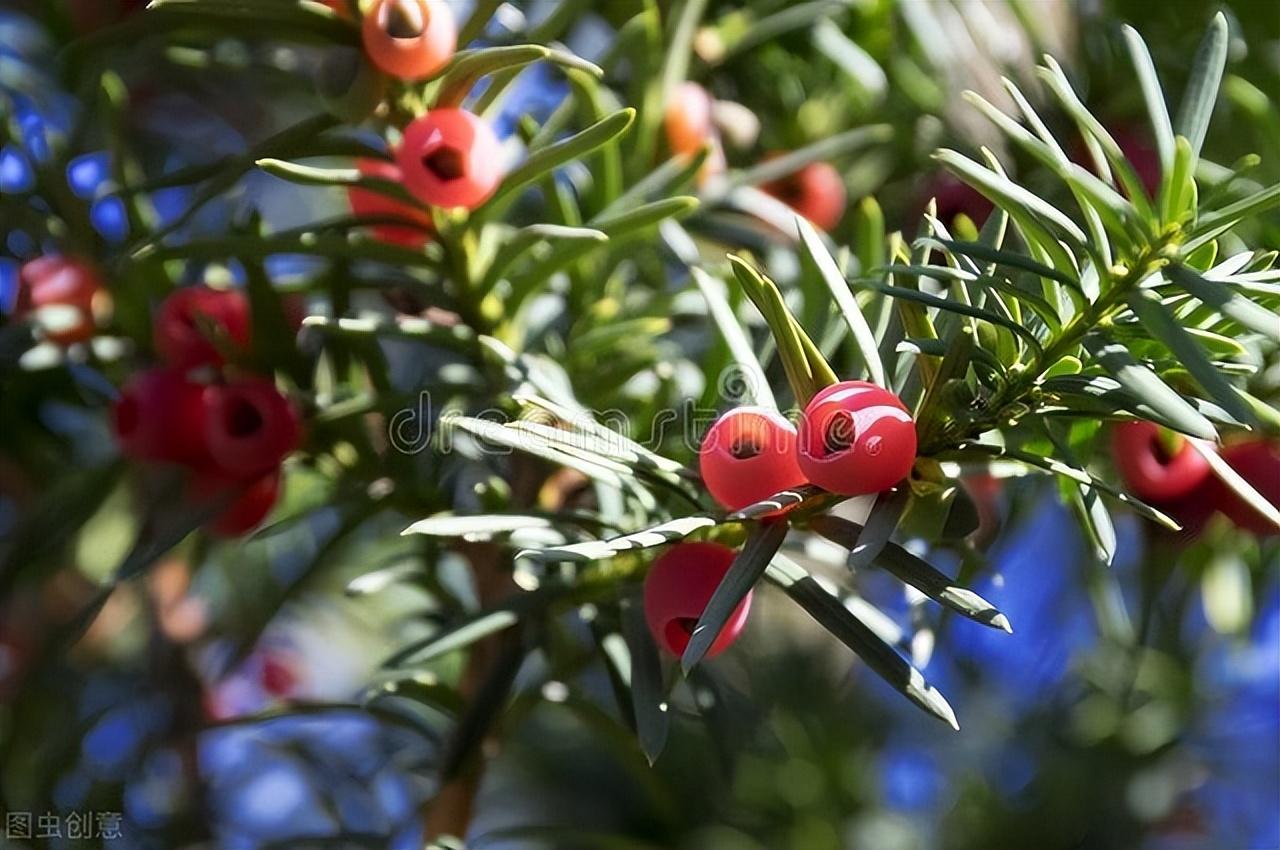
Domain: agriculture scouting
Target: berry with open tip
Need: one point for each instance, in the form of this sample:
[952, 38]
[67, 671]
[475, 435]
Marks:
[250, 426]
[1156, 465]
[856, 438]
[676, 592]
[450, 158]
[409, 39]
[749, 454]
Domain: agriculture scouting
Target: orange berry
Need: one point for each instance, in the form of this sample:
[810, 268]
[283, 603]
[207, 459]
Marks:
[410, 39]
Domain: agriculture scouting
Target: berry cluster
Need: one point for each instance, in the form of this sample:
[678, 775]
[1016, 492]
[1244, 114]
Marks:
[1162, 468]
[816, 190]
[231, 432]
[854, 438]
[447, 158]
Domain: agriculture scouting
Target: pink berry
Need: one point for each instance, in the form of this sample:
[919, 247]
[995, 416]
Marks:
[689, 125]
[60, 282]
[816, 192]
[410, 39]
[1156, 467]
[366, 202]
[160, 416]
[450, 158]
[251, 501]
[1258, 462]
[856, 438]
[250, 426]
[194, 321]
[749, 454]
[676, 592]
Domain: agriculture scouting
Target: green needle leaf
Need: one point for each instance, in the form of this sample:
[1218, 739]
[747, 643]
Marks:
[1162, 325]
[553, 156]
[1238, 485]
[1223, 298]
[914, 571]
[1157, 109]
[736, 338]
[843, 295]
[468, 66]
[1202, 90]
[1148, 387]
[880, 525]
[653, 719]
[595, 550]
[882, 658]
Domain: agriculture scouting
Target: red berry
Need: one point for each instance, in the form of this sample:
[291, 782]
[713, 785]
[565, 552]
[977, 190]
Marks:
[251, 501]
[410, 39]
[1156, 466]
[366, 202]
[816, 192]
[1258, 462]
[194, 321]
[748, 455]
[59, 280]
[250, 426]
[689, 125]
[856, 438]
[60, 291]
[676, 592]
[450, 158]
[160, 416]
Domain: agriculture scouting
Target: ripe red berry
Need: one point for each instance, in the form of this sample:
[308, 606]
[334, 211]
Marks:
[366, 202]
[689, 125]
[193, 322]
[250, 503]
[1258, 462]
[816, 192]
[450, 158]
[410, 39]
[1155, 465]
[676, 592]
[160, 416]
[250, 426]
[748, 455]
[856, 438]
[60, 292]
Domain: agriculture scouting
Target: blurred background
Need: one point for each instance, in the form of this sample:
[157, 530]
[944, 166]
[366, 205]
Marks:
[234, 695]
